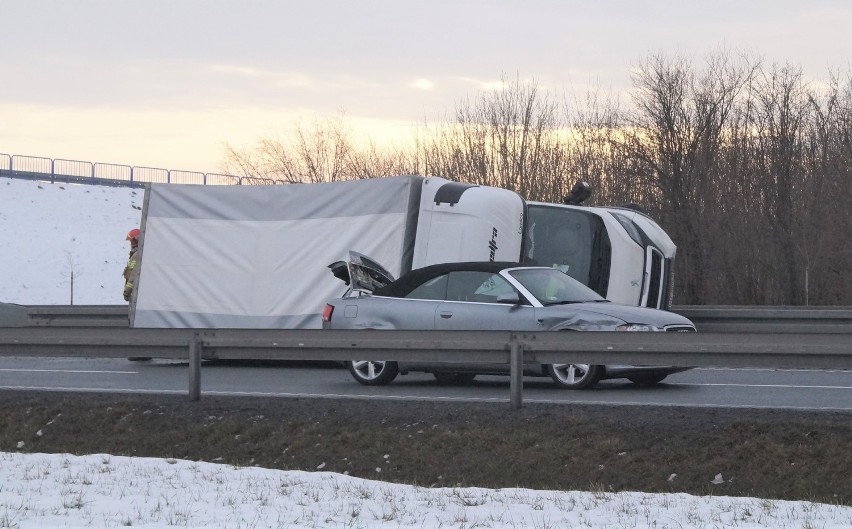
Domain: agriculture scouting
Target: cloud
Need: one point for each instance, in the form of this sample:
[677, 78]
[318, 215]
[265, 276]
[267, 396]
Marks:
[486, 86]
[276, 78]
[423, 84]
[496, 85]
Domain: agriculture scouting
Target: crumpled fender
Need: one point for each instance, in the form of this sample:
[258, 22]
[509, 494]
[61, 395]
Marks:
[578, 323]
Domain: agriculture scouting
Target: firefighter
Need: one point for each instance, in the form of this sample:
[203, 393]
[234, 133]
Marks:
[133, 237]
[129, 275]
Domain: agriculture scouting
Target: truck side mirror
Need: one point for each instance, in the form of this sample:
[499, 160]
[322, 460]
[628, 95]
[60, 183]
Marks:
[579, 193]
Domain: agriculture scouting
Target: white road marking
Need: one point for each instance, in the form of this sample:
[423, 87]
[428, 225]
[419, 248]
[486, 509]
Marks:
[97, 390]
[785, 386]
[694, 405]
[772, 370]
[68, 371]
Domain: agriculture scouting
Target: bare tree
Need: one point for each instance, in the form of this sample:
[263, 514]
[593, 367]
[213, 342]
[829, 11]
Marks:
[325, 151]
[674, 135]
[826, 192]
[505, 137]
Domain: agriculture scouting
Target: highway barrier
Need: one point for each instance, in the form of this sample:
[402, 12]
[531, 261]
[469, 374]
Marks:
[796, 350]
[707, 318]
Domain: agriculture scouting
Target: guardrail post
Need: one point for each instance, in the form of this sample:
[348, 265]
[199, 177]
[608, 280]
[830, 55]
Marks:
[195, 368]
[516, 373]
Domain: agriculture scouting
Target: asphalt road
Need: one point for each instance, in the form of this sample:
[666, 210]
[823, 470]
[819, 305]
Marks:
[724, 388]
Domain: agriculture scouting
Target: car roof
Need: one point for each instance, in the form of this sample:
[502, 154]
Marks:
[417, 277]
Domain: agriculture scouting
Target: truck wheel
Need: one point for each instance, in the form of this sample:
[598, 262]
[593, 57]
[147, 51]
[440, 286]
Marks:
[574, 376]
[372, 373]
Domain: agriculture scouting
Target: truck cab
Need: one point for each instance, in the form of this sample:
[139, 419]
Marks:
[620, 253]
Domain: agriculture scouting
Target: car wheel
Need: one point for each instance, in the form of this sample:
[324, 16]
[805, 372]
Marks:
[646, 380]
[453, 379]
[574, 376]
[372, 373]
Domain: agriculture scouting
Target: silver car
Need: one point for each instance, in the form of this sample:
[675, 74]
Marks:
[488, 296]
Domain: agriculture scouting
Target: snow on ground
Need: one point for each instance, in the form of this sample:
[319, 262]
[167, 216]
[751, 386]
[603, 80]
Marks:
[48, 231]
[38, 490]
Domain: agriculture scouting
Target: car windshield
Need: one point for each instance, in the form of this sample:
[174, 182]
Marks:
[552, 287]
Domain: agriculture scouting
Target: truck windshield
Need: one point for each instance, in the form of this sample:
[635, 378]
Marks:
[574, 241]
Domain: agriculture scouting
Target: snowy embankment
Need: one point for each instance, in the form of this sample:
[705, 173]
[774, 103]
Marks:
[58, 236]
[38, 490]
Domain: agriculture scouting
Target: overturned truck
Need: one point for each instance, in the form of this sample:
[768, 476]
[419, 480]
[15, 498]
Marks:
[258, 256]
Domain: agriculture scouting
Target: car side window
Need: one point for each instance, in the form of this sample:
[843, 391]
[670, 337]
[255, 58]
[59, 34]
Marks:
[435, 288]
[482, 287]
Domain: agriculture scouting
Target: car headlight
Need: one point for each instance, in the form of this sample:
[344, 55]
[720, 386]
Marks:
[633, 327]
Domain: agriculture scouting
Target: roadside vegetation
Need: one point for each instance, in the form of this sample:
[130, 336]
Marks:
[767, 454]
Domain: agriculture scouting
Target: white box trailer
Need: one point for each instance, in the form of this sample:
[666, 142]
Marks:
[258, 256]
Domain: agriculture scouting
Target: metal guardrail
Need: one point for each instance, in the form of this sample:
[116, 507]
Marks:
[781, 319]
[75, 315]
[709, 318]
[796, 350]
[792, 350]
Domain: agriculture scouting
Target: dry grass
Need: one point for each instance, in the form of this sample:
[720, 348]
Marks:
[772, 455]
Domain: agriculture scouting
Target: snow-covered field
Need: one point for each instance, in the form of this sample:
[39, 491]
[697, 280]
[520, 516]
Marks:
[40, 490]
[49, 231]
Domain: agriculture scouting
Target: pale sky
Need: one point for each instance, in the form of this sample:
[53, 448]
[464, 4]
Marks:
[163, 83]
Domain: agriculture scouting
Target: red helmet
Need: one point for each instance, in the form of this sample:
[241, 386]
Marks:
[133, 234]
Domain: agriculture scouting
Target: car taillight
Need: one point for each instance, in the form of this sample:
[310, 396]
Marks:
[326, 313]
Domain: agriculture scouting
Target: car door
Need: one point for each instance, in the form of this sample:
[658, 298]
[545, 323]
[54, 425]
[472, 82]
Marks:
[376, 312]
[471, 304]
[416, 310]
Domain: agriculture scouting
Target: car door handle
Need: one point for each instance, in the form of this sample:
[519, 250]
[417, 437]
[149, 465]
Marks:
[446, 314]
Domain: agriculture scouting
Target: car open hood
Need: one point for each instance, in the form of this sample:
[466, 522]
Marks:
[361, 273]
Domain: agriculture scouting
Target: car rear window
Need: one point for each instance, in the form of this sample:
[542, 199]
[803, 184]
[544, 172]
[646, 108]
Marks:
[435, 288]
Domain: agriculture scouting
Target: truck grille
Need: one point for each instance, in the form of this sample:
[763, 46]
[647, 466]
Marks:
[655, 279]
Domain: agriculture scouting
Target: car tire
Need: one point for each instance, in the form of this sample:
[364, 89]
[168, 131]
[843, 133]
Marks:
[371, 373]
[647, 380]
[574, 376]
[453, 379]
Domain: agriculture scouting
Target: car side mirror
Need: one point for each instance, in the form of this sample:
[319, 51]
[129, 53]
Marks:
[510, 299]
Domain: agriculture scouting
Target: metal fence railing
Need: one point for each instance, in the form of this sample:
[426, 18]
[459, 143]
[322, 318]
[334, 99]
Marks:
[61, 170]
